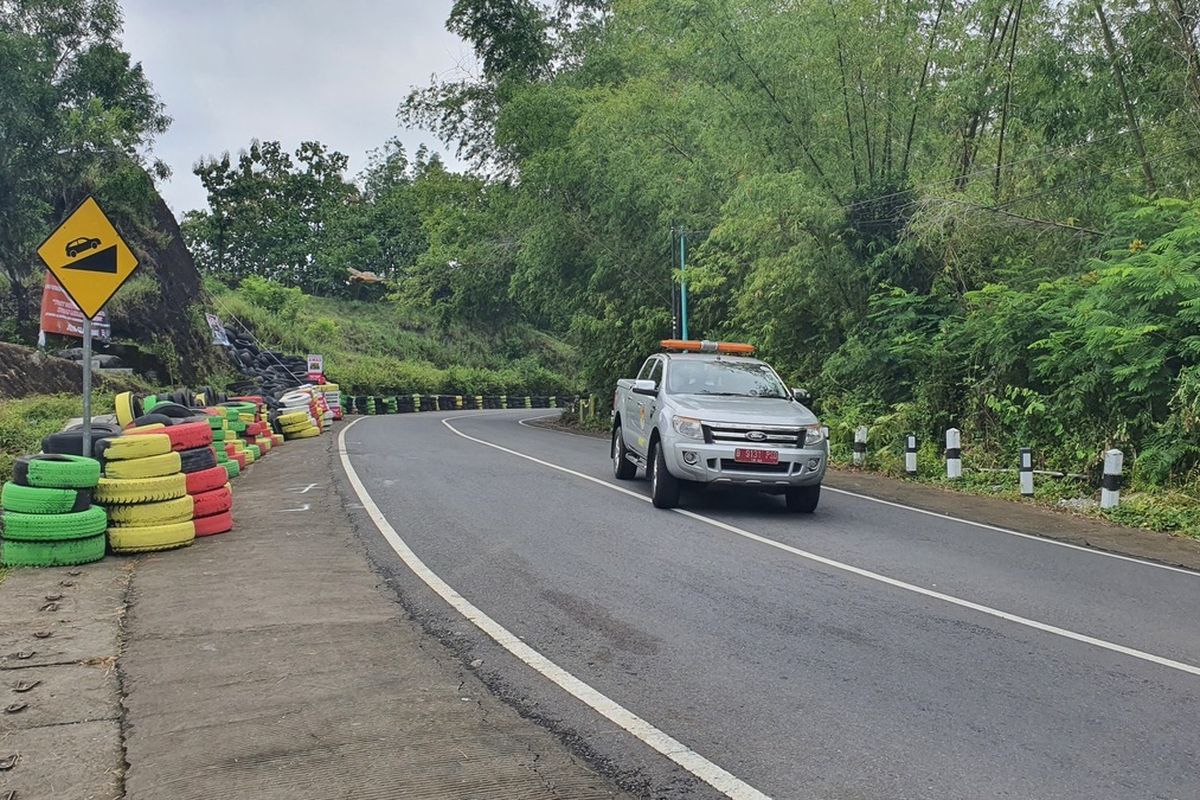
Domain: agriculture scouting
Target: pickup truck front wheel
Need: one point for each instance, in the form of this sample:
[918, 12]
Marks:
[803, 499]
[664, 487]
[623, 468]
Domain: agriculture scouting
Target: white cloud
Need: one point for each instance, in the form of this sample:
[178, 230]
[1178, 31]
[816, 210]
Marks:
[293, 70]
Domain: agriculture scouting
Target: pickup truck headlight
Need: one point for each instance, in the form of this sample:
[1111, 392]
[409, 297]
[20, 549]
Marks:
[813, 435]
[688, 427]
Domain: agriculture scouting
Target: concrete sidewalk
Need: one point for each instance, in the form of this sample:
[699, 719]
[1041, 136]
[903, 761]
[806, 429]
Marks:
[267, 663]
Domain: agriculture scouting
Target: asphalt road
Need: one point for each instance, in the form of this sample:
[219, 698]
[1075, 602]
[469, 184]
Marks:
[881, 653]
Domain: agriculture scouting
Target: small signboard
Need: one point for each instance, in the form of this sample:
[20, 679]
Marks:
[316, 368]
[60, 315]
[219, 336]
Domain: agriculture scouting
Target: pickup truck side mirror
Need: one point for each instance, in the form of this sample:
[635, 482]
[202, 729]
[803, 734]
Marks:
[801, 395]
[645, 387]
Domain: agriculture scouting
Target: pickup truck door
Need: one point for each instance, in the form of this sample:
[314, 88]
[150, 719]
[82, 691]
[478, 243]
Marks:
[647, 406]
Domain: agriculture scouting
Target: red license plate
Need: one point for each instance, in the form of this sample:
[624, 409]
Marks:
[756, 456]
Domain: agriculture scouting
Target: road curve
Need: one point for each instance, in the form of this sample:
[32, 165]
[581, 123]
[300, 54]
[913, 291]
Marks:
[865, 651]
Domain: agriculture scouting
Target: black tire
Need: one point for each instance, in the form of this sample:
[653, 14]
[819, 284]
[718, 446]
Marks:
[70, 442]
[173, 410]
[623, 468]
[664, 487]
[803, 499]
[151, 419]
[196, 459]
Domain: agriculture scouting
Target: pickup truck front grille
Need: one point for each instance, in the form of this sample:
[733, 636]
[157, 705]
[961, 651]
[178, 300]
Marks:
[730, 433]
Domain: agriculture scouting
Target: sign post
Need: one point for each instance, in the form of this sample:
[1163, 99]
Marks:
[91, 261]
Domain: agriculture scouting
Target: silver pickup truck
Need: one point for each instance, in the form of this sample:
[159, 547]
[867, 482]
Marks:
[706, 417]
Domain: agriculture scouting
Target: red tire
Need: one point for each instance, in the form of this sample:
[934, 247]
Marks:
[240, 458]
[206, 480]
[212, 502]
[214, 523]
[187, 436]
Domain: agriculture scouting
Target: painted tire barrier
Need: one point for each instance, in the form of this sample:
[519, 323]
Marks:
[48, 517]
[56, 471]
[213, 524]
[146, 467]
[160, 513]
[148, 538]
[34, 500]
[140, 490]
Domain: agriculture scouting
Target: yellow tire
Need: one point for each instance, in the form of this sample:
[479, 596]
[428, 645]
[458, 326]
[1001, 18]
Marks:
[307, 433]
[121, 448]
[292, 417]
[123, 407]
[138, 514]
[144, 538]
[148, 467]
[140, 490]
[153, 426]
[264, 443]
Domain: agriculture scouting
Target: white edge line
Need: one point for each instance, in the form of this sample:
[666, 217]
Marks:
[950, 518]
[864, 573]
[1010, 532]
[693, 762]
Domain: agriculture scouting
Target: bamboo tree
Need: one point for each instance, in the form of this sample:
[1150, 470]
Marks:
[1114, 60]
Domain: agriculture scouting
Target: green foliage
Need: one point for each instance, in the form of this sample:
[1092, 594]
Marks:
[24, 422]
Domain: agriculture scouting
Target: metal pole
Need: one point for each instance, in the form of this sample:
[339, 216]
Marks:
[87, 386]
[683, 280]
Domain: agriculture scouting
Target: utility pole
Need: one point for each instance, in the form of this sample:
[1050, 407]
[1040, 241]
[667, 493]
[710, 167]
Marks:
[683, 281]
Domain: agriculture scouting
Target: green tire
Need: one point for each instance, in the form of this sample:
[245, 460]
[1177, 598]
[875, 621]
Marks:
[32, 500]
[16, 553]
[232, 468]
[53, 527]
[56, 471]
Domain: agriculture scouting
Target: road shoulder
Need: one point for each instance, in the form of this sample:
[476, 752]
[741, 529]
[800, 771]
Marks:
[271, 662]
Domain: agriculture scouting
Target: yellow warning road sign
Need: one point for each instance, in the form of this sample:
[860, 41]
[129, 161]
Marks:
[88, 257]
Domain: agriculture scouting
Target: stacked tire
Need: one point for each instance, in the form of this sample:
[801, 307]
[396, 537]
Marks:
[333, 399]
[145, 489]
[295, 418]
[49, 519]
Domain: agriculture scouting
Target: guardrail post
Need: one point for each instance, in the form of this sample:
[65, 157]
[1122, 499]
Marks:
[1026, 471]
[910, 454]
[953, 454]
[1110, 487]
[860, 446]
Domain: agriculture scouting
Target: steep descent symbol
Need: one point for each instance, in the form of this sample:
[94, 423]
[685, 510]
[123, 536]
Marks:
[103, 261]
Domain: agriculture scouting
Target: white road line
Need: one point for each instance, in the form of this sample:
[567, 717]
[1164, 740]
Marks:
[995, 528]
[716, 777]
[850, 568]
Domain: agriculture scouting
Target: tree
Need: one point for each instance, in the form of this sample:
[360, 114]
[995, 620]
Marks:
[76, 118]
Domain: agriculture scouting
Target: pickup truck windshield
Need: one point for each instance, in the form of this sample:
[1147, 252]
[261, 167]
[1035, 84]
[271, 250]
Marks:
[726, 378]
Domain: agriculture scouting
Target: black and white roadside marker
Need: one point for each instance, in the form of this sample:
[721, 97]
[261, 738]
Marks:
[1110, 484]
[860, 446]
[910, 454]
[1026, 472]
[953, 454]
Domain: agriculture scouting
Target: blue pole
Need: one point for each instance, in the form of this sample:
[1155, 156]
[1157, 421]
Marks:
[683, 280]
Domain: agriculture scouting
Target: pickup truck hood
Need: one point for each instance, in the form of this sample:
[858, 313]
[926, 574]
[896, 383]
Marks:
[746, 410]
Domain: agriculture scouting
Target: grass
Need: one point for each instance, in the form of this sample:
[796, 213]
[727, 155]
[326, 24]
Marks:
[24, 422]
[381, 347]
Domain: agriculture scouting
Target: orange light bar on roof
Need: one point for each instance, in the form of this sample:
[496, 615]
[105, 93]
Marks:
[705, 346]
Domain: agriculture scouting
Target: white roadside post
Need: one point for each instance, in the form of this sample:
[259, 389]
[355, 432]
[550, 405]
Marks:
[1110, 486]
[1026, 471]
[910, 454]
[860, 446]
[953, 454]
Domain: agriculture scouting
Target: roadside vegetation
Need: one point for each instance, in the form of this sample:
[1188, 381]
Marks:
[978, 214]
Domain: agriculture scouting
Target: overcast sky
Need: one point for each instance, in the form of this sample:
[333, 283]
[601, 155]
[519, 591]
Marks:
[293, 70]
